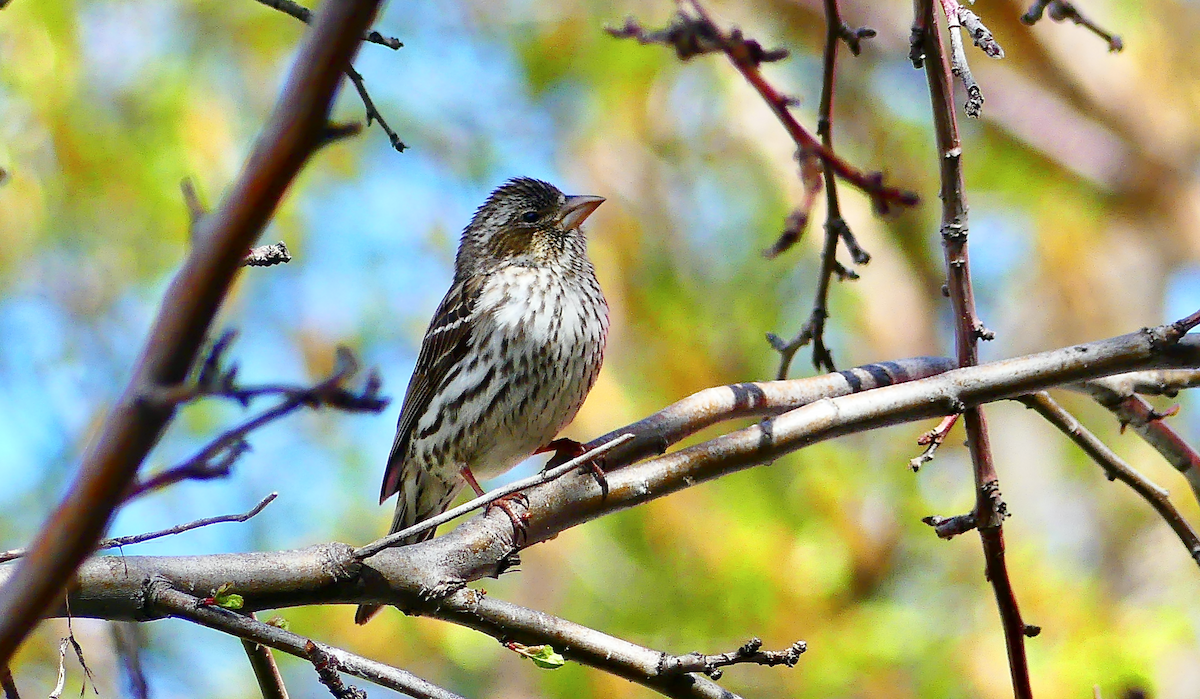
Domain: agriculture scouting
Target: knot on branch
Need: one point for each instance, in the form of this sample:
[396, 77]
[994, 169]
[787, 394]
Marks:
[998, 509]
[980, 34]
[327, 668]
[950, 527]
[916, 46]
[268, 255]
[853, 37]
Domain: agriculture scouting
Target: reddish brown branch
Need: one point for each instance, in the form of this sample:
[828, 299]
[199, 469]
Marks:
[694, 35]
[1134, 411]
[931, 440]
[990, 511]
[133, 426]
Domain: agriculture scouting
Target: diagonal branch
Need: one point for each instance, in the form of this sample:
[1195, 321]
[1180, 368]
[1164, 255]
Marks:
[488, 498]
[1134, 411]
[133, 426]
[669, 675]
[304, 14]
[1115, 468]
[184, 606]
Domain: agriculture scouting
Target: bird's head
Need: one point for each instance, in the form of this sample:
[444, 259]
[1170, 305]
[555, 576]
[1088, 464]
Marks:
[526, 221]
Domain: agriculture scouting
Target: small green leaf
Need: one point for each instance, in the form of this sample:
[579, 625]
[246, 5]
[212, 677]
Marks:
[543, 656]
[279, 622]
[225, 599]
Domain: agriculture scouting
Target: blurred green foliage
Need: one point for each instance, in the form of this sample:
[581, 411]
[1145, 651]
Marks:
[1082, 177]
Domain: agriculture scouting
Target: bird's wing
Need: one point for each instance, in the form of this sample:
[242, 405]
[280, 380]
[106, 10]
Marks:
[446, 343]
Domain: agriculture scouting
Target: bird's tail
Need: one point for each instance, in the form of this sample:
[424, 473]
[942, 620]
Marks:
[419, 498]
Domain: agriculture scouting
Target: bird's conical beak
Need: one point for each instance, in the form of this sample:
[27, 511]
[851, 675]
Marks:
[576, 210]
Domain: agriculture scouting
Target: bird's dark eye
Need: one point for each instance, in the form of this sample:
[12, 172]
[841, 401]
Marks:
[529, 216]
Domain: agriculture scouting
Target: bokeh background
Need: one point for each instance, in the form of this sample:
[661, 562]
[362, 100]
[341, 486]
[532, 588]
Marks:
[1082, 178]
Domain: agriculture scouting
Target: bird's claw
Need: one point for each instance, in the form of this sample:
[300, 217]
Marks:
[520, 522]
[566, 449]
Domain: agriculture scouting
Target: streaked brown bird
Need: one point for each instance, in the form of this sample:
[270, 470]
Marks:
[509, 356]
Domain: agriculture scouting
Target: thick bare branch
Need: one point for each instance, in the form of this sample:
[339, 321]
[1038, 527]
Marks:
[132, 428]
[410, 576]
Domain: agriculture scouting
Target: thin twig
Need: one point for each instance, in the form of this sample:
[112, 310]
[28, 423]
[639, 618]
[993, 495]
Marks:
[128, 639]
[304, 14]
[950, 527]
[217, 458]
[932, 440]
[544, 477]
[195, 208]
[990, 510]
[327, 672]
[185, 606]
[373, 113]
[177, 529]
[751, 652]
[1115, 468]
[1060, 10]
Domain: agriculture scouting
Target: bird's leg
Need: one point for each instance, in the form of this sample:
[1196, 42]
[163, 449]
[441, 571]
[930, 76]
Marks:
[518, 521]
[566, 449]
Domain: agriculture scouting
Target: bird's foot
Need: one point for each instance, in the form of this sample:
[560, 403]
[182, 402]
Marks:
[566, 449]
[520, 521]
